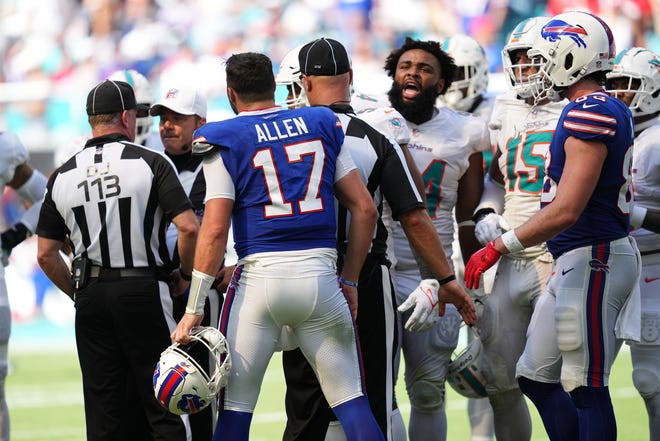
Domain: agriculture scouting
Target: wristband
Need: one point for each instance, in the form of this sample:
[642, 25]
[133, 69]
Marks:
[447, 279]
[466, 223]
[511, 242]
[637, 215]
[348, 282]
[199, 290]
[184, 276]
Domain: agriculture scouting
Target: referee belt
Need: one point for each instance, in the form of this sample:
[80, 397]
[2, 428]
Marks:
[122, 273]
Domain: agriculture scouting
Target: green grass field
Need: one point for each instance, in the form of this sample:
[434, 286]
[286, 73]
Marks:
[44, 393]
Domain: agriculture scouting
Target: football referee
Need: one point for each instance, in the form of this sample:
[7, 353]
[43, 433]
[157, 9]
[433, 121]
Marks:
[326, 78]
[111, 202]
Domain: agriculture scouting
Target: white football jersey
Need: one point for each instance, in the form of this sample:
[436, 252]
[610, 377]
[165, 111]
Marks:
[378, 112]
[523, 135]
[646, 181]
[441, 148]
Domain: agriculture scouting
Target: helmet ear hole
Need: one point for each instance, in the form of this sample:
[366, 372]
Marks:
[568, 61]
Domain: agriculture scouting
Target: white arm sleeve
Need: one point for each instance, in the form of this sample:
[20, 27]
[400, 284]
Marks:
[34, 188]
[31, 216]
[218, 180]
[33, 192]
[492, 196]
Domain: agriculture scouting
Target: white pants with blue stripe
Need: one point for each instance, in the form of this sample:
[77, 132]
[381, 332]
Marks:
[571, 334]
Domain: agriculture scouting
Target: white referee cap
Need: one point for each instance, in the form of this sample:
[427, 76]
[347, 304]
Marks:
[183, 100]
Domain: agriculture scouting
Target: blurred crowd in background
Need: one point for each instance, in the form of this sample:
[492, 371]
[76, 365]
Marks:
[54, 50]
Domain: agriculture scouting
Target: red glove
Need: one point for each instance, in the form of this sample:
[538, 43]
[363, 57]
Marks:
[479, 262]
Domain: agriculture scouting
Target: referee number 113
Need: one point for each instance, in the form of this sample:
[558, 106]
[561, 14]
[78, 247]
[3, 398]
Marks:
[100, 182]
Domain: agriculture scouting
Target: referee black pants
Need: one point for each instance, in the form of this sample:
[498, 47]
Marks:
[121, 329]
[308, 413]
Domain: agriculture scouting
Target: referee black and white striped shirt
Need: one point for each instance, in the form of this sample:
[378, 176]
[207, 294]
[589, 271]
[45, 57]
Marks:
[113, 200]
[383, 168]
[189, 168]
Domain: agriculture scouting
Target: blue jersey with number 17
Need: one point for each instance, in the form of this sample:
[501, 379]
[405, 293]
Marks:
[282, 164]
[594, 117]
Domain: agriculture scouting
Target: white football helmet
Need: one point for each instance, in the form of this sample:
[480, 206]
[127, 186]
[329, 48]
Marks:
[642, 66]
[572, 45]
[143, 95]
[522, 38]
[289, 75]
[471, 78]
[465, 372]
[181, 385]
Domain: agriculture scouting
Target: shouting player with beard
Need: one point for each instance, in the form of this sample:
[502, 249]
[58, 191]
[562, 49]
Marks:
[447, 148]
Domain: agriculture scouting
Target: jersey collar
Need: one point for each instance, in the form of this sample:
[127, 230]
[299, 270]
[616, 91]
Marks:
[106, 139]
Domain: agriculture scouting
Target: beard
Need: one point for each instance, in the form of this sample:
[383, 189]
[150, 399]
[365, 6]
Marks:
[420, 109]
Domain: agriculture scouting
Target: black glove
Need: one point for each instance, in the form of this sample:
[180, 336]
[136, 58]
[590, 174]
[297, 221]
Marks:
[13, 236]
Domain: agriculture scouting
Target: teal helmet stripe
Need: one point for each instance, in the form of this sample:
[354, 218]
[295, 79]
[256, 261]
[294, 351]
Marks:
[129, 78]
[520, 28]
[445, 44]
[618, 58]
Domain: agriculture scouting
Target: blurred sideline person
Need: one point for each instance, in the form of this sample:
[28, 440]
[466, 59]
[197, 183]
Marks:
[522, 133]
[326, 77]
[588, 306]
[111, 201]
[635, 80]
[446, 147]
[467, 93]
[181, 111]
[30, 184]
[275, 174]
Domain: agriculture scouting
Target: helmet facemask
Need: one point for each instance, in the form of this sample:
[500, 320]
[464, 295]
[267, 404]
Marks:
[290, 77]
[636, 73]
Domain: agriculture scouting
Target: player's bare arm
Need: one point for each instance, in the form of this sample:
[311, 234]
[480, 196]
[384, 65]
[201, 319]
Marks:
[494, 169]
[188, 228]
[642, 217]
[53, 265]
[584, 161]
[22, 173]
[470, 187]
[424, 239]
[352, 194]
[212, 238]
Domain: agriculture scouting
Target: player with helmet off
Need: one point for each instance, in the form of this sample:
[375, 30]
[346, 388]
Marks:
[446, 147]
[635, 80]
[589, 303]
[326, 77]
[274, 175]
[522, 132]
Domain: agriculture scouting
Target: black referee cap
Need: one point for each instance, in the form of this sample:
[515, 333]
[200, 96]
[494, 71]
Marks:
[324, 57]
[111, 97]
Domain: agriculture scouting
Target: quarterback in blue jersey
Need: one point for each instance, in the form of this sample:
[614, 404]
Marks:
[590, 304]
[274, 174]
